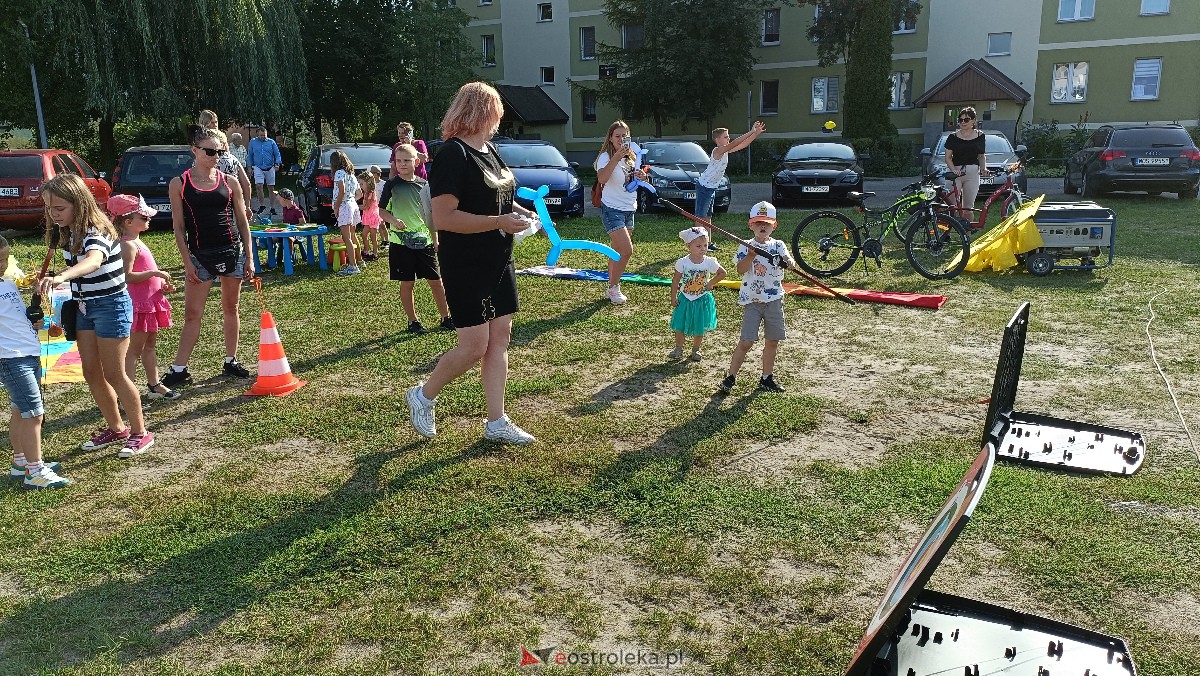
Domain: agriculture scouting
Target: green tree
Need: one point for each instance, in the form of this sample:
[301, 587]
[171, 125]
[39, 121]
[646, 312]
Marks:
[108, 61]
[681, 60]
[860, 33]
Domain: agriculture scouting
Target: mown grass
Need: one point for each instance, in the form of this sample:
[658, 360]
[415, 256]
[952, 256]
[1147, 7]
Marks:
[316, 534]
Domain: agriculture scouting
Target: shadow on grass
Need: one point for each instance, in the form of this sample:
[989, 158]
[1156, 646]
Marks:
[524, 333]
[674, 451]
[641, 382]
[191, 594]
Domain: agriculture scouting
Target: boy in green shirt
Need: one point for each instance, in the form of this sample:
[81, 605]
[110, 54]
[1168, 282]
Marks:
[412, 253]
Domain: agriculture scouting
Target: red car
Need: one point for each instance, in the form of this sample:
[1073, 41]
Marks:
[22, 173]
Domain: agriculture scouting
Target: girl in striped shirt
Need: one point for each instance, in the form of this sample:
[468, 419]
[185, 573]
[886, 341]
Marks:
[105, 312]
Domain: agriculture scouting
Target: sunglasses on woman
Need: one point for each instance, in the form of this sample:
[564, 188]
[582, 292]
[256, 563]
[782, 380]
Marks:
[965, 119]
[211, 152]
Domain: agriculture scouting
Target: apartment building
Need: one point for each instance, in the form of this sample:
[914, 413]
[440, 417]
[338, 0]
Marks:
[1015, 61]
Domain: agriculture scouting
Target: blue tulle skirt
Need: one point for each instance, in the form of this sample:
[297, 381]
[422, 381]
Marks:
[695, 317]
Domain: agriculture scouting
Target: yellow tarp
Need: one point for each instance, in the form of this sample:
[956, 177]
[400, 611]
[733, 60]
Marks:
[998, 248]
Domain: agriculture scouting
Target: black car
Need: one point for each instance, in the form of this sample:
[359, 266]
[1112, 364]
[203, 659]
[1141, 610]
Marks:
[998, 154]
[538, 163]
[316, 178]
[1152, 157]
[674, 168]
[147, 171]
[817, 171]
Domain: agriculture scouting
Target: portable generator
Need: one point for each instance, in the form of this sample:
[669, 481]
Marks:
[1072, 230]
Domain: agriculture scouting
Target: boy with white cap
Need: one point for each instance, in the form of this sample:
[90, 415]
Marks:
[761, 297]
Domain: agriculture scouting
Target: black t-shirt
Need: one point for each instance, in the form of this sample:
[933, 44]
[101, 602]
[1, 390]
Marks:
[460, 171]
[966, 152]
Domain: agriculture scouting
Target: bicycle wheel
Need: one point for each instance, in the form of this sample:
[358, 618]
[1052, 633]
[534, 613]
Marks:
[905, 219]
[826, 244]
[938, 247]
[1013, 203]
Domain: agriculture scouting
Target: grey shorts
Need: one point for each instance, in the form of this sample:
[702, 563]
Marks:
[758, 313]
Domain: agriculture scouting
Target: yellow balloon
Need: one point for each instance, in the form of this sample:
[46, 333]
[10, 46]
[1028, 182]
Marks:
[831, 125]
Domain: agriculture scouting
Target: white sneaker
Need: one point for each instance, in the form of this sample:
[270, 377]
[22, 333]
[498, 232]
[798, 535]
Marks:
[614, 294]
[507, 432]
[45, 479]
[420, 413]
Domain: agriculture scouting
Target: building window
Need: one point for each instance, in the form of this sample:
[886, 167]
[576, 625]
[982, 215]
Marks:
[1146, 74]
[999, 44]
[587, 102]
[770, 27]
[1076, 10]
[906, 26]
[1156, 7]
[587, 43]
[1070, 82]
[547, 75]
[545, 12]
[632, 37]
[824, 95]
[769, 98]
[901, 90]
[489, 51]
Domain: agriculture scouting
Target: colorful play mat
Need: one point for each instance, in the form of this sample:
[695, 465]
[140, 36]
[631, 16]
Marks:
[60, 358]
[922, 300]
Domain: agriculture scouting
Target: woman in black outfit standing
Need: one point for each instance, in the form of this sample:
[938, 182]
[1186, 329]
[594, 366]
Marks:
[966, 156]
[213, 237]
[472, 192]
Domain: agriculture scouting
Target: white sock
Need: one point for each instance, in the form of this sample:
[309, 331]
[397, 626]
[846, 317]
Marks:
[19, 460]
[493, 424]
[230, 360]
[425, 400]
[178, 369]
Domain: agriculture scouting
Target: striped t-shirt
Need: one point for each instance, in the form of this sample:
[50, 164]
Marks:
[109, 278]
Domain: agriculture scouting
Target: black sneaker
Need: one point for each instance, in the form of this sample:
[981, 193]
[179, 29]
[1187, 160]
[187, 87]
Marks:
[446, 324]
[231, 368]
[273, 212]
[260, 209]
[768, 383]
[175, 378]
[712, 247]
[415, 327]
[726, 385]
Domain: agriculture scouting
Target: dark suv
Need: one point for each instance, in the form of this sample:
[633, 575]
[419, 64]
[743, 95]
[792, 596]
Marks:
[1152, 157]
[147, 171]
[316, 179]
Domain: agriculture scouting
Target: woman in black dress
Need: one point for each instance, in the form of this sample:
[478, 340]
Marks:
[965, 156]
[472, 194]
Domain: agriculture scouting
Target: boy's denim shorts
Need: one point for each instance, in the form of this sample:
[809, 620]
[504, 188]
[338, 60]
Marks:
[705, 197]
[20, 377]
[109, 316]
[615, 219]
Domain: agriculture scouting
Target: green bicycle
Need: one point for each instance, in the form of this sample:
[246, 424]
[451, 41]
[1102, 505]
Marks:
[827, 243]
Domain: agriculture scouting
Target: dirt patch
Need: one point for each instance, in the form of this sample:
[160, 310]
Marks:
[183, 452]
[1180, 612]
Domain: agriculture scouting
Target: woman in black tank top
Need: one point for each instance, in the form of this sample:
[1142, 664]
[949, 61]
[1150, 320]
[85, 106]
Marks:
[213, 236]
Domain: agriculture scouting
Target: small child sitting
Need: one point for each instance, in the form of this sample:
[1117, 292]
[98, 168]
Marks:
[761, 297]
[292, 215]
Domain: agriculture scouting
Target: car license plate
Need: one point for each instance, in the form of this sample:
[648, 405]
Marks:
[1153, 161]
[815, 188]
[689, 195]
[553, 200]
[162, 207]
[10, 192]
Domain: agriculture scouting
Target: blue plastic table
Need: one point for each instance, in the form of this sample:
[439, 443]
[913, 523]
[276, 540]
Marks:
[262, 240]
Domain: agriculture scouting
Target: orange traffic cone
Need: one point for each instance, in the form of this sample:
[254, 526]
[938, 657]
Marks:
[274, 373]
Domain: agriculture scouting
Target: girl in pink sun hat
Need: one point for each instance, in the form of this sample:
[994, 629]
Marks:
[147, 286]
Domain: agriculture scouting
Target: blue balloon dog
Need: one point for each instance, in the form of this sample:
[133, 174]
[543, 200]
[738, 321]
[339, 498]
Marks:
[557, 244]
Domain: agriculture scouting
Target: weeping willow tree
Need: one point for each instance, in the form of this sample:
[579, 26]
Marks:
[163, 58]
[431, 61]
